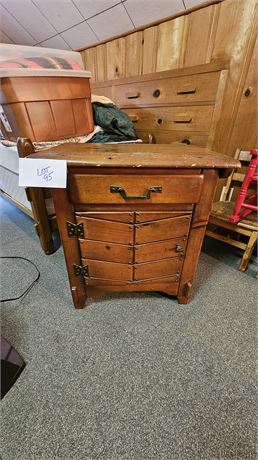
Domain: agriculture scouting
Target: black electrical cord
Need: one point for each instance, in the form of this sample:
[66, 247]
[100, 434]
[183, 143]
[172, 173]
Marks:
[30, 286]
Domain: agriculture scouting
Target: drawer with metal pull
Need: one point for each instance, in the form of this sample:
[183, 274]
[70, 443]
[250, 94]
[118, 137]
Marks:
[140, 189]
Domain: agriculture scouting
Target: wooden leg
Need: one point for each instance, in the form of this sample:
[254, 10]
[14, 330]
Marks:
[190, 265]
[79, 299]
[198, 227]
[248, 252]
[47, 245]
[42, 223]
[70, 246]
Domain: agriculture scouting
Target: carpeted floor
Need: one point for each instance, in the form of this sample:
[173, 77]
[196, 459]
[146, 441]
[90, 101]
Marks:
[134, 377]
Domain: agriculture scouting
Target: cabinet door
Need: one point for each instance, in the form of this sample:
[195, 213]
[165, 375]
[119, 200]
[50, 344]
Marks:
[108, 270]
[163, 229]
[160, 241]
[158, 269]
[160, 250]
[106, 230]
[110, 252]
[107, 246]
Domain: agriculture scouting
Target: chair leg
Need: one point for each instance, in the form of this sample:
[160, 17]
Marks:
[248, 252]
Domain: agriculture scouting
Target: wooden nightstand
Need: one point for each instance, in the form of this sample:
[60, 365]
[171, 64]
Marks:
[133, 217]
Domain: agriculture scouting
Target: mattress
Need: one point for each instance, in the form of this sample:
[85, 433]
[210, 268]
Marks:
[9, 176]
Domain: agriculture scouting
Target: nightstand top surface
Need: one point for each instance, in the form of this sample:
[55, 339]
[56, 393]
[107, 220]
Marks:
[138, 156]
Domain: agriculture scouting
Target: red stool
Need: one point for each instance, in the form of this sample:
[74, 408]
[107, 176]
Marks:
[250, 206]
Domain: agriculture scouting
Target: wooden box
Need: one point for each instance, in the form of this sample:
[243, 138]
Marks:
[45, 108]
[44, 94]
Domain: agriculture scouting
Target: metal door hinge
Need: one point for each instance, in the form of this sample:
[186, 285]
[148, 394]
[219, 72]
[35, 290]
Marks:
[81, 271]
[75, 229]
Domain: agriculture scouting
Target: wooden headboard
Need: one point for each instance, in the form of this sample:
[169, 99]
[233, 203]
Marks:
[181, 105]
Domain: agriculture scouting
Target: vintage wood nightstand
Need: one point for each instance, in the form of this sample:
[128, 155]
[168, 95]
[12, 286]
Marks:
[133, 217]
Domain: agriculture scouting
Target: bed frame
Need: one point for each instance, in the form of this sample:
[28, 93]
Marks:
[181, 105]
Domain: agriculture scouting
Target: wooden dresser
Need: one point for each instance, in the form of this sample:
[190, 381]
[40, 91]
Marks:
[133, 217]
[181, 105]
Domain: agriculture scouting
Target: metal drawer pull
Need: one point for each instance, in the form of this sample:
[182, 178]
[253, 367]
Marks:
[179, 248]
[146, 196]
[132, 95]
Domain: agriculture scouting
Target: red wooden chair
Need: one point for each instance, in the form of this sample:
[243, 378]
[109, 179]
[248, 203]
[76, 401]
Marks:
[224, 222]
[251, 204]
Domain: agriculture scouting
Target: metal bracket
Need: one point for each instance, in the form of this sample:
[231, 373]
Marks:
[75, 229]
[81, 271]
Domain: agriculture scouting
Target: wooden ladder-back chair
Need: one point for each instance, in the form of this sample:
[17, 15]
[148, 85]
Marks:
[242, 234]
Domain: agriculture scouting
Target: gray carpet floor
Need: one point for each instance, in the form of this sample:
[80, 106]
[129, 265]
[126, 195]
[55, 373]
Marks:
[131, 376]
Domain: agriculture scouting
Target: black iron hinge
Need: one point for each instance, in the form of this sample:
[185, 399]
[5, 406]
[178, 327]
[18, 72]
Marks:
[81, 271]
[75, 229]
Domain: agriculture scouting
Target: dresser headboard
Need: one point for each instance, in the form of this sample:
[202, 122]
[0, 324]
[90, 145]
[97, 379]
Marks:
[181, 105]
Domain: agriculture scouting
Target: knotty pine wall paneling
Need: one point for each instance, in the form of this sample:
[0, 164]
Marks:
[170, 37]
[101, 63]
[200, 33]
[133, 54]
[245, 128]
[89, 59]
[115, 59]
[224, 29]
[234, 40]
[149, 50]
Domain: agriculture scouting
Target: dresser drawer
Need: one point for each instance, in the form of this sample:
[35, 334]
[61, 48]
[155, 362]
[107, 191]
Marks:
[140, 189]
[163, 136]
[186, 89]
[196, 118]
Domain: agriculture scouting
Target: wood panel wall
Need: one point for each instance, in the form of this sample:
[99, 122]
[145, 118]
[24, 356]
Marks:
[223, 30]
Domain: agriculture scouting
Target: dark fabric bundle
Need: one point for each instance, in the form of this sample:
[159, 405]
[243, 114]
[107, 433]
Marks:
[115, 123]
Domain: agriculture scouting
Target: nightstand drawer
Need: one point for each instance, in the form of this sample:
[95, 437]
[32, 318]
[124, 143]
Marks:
[140, 189]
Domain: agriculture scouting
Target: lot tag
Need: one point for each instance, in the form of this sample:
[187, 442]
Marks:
[34, 172]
